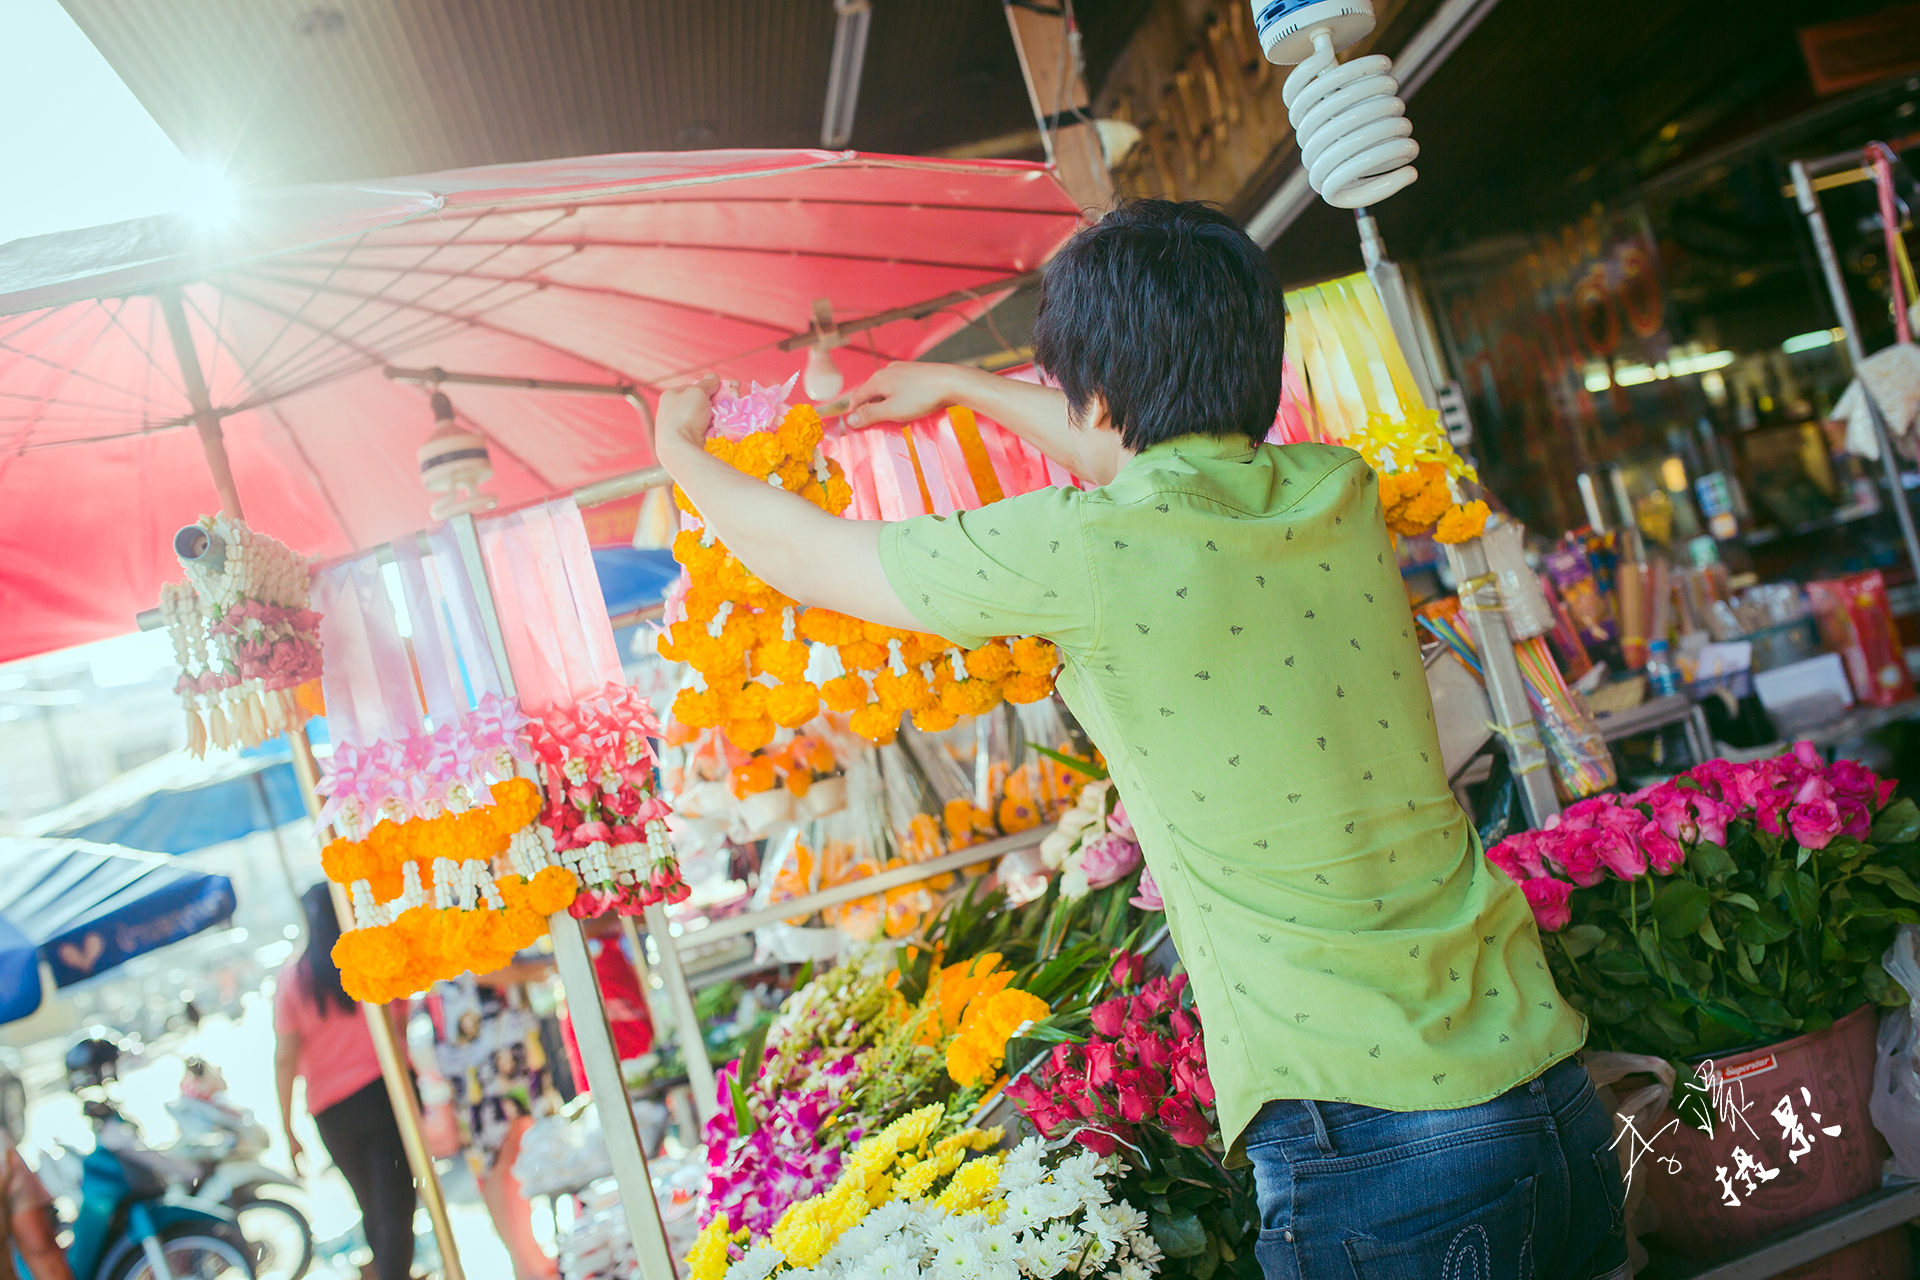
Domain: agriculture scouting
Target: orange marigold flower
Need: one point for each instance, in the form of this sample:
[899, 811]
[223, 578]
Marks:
[875, 723]
[1035, 656]
[844, 694]
[750, 735]
[1026, 687]
[792, 705]
[991, 661]
[1462, 521]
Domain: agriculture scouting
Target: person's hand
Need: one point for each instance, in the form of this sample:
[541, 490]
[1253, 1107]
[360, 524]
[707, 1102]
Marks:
[901, 392]
[683, 416]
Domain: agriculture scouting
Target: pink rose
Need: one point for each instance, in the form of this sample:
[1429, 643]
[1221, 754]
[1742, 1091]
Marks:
[1663, 851]
[1548, 898]
[1815, 822]
[1129, 969]
[1621, 854]
[1184, 1026]
[1147, 895]
[1108, 859]
[1153, 1050]
[1808, 755]
[1585, 814]
[1578, 855]
[1140, 1092]
[1118, 824]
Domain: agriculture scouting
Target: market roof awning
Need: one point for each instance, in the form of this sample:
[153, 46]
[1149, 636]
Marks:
[87, 908]
[177, 804]
[19, 974]
[629, 270]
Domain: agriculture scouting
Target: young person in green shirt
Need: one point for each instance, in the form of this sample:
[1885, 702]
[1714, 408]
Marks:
[1384, 1038]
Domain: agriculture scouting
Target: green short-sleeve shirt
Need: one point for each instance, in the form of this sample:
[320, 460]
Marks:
[1235, 637]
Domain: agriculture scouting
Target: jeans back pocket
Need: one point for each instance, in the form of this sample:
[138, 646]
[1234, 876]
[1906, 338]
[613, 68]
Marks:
[1494, 1242]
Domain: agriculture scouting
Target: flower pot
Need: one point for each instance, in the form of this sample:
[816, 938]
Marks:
[1834, 1067]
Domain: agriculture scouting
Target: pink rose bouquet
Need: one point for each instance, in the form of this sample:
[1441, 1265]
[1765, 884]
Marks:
[1731, 904]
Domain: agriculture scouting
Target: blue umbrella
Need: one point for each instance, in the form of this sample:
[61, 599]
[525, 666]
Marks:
[633, 578]
[87, 908]
[177, 804]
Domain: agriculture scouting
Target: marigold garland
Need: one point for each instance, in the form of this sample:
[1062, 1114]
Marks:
[749, 643]
[410, 935]
[1416, 464]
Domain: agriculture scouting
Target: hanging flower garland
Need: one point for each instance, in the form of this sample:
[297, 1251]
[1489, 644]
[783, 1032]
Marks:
[243, 637]
[1418, 469]
[424, 774]
[604, 817]
[426, 904]
[749, 643]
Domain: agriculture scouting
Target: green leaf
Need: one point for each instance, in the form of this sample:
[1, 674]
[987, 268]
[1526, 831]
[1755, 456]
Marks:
[1710, 861]
[1581, 939]
[803, 976]
[1620, 966]
[1740, 900]
[1744, 966]
[1893, 878]
[1681, 907]
[1709, 936]
[1611, 1010]
[753, 1054]
[1084, 767]
[743, 1122]
[1803, 899]
[1898, 823]
[1762, 928]
[1179, 1235]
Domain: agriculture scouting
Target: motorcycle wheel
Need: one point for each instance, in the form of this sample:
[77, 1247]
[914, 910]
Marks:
[279, 1237]
[191, 1254]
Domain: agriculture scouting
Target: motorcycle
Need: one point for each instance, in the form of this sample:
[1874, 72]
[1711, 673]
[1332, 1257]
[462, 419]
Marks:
[132, 1224]
[222, 1145]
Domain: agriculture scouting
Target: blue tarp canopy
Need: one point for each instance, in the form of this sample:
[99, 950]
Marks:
[87, 908]
[19, 974]
[178, 804]
[633, 579]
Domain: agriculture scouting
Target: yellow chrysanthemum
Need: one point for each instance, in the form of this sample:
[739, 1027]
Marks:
[707, 1260]
[972, 1187]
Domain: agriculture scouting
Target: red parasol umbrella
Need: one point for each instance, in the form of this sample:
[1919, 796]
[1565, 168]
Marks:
[132, 356]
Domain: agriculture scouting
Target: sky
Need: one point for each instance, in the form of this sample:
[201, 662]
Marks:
[79, 151]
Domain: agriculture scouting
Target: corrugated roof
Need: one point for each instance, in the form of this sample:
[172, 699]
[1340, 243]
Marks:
[288, 92]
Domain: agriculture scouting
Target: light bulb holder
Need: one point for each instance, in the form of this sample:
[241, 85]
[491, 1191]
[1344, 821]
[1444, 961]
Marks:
[1286, 27]
[454, 462]
[822, 379]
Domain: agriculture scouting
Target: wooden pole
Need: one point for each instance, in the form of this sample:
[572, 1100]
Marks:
[205, 419]
[1049, 51]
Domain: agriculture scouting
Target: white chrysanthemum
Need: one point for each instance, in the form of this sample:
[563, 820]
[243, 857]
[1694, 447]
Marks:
[1027, 1210]
[1106, 1226]
[1040, 1257]
[1133, 1269]
[1057, 1200]
[893, 1261]
[959, 1259]
[1123, 1217]
[949, 1232]
[1024, 1165]
[1145, 1248]
[1001, 1271]
[890, 1217]
[757, 1265]
[999, 1244]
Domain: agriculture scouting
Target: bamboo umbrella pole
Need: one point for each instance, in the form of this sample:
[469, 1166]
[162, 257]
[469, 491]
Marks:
[393, 1063]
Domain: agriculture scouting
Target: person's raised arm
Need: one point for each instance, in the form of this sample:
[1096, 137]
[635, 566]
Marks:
[907, 390]
[286, 1065]
[794, 546]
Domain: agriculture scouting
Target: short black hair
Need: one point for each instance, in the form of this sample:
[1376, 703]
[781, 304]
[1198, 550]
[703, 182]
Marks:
[1172, 315]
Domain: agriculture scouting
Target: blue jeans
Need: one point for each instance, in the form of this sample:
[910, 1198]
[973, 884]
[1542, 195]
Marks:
[1524, 1187]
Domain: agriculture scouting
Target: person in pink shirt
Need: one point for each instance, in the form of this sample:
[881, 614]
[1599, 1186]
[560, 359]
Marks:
[322, 1037]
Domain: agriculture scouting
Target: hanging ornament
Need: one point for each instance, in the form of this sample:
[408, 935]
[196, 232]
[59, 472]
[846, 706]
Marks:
[242, 634]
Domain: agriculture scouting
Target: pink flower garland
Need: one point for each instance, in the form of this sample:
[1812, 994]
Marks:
[598, 762]
[1794, 794]
[425, 773]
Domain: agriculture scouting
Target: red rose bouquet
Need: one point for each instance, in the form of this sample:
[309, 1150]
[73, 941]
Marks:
[1139, 1087]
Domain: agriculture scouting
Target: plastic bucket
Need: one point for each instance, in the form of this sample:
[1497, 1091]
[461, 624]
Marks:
[1698, 1219]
